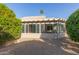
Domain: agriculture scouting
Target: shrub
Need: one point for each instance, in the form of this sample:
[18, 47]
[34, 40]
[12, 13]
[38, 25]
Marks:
[5, 11]
[72, 26]
[10, 26]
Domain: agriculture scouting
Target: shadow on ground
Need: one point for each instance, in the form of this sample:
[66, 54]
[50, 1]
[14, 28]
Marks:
[43, 46]
[46, 47]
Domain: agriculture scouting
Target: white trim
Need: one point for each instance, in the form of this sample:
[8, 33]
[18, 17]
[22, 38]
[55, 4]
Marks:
[39, 28]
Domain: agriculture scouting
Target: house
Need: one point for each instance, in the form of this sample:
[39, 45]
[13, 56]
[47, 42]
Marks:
[38, 26]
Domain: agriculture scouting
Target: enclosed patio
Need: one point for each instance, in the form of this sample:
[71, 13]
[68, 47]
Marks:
[41, 26]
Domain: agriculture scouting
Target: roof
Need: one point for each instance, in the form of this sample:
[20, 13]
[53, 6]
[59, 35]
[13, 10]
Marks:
[40, 19]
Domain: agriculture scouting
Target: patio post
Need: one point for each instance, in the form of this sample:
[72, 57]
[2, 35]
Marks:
[39, 28]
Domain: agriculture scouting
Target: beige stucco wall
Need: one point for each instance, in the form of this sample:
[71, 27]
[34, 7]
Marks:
[41, 35]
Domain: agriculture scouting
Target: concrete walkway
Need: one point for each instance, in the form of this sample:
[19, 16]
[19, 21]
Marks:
[61, 46]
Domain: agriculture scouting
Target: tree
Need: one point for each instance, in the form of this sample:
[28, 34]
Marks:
[41, 12]
[10, 26]
[72, 26]
[5, 11]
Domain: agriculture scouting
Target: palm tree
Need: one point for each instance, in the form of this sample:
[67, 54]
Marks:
[41, 11]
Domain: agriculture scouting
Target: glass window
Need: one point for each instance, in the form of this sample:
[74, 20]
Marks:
[22, 28]
[37, 28]
[26, 28]
[32, 28]
[48, 27]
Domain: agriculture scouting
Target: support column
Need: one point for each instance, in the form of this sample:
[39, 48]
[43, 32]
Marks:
[39, 28]
[28, 28]
[44, 27]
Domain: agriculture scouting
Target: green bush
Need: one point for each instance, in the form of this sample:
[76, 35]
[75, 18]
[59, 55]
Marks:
[72, 26]
[6, 12]
[10, 26]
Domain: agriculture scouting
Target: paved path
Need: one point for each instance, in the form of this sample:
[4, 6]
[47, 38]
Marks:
[43, 46]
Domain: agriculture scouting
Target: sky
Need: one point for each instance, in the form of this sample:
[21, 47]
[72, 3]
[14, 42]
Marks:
[57, 10]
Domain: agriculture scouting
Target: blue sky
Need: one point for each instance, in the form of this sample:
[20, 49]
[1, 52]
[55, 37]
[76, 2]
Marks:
[61, 10]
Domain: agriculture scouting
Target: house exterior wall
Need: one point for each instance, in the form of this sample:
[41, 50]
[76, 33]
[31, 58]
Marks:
[38, 32]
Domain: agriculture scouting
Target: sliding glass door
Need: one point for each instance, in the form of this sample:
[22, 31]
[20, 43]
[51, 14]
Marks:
[23, 31]
[32, 28]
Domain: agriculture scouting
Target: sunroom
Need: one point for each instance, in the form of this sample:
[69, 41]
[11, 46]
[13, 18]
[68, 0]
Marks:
[35, 26]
